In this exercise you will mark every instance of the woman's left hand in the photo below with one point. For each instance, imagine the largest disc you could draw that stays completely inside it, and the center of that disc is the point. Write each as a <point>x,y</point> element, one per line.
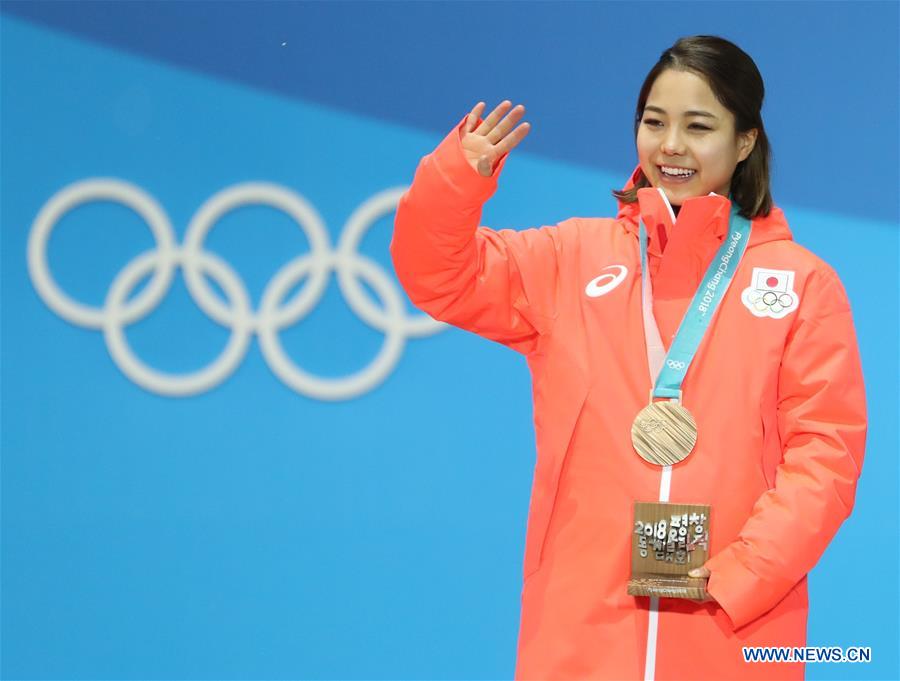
<point>704,573</point>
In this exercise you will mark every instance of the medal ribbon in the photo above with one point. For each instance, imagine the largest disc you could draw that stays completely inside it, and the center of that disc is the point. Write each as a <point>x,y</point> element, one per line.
<point>700,312</point>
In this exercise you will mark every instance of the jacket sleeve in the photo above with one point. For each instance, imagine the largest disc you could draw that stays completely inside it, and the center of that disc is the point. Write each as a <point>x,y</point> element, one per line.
<point>499,284</point>
<point>822,425</point>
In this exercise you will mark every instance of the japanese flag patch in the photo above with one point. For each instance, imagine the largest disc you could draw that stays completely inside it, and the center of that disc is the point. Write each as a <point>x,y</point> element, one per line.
<point>771,293</point>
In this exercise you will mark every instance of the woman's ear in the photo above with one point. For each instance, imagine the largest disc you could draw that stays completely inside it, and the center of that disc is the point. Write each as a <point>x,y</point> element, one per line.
<point>746,142</point>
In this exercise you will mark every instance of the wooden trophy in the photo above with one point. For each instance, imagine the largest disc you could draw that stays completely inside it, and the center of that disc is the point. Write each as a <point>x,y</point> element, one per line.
<point>668,540</point>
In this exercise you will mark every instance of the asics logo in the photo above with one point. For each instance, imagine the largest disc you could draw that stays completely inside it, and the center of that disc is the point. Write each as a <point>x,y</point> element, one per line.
<point>274,314</point>
<point>606,282</point>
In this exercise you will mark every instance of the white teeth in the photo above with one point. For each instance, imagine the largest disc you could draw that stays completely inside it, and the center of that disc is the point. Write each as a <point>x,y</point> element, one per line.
<point>676,171</point>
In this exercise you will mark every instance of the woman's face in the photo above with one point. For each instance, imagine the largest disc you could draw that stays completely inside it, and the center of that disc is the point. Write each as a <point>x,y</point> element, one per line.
<point>684,127</point>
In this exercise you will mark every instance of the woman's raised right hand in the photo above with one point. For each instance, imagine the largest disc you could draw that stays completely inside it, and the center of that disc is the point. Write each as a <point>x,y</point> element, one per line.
<point>485,144</point>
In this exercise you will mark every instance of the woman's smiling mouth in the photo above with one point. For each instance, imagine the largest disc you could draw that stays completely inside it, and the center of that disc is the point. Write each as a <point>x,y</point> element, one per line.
<point>676,175</point>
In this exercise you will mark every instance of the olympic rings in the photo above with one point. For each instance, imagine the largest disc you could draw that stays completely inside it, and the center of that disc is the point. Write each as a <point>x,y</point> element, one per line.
<point>237,315</point>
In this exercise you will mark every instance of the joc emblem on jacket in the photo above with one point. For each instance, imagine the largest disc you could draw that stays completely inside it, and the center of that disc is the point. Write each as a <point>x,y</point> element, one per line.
<point>771,293</point>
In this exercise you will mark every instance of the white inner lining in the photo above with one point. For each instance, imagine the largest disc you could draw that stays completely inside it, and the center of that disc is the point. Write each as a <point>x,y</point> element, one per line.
<point>656,355</point>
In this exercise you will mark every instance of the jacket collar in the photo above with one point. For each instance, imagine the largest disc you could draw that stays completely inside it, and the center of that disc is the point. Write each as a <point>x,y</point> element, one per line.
<point>699,214</point>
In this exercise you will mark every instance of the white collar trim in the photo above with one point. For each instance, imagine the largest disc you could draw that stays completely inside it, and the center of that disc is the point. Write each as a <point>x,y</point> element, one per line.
<point>669,205</point>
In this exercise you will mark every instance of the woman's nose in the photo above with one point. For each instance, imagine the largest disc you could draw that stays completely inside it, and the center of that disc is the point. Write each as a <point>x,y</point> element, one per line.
<point>671,144</point>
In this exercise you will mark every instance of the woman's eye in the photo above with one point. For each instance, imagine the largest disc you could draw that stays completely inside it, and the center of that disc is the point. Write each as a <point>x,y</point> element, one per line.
<point>653,123</point>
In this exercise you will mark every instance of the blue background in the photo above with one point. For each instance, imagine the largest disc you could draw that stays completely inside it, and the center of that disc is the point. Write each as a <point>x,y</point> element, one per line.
<point>251,531</point>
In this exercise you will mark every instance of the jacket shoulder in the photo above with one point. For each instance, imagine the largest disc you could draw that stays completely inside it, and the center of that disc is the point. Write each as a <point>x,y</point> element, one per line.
<point>815,279</point>
<point>572,230</point>
<point>595,226</point>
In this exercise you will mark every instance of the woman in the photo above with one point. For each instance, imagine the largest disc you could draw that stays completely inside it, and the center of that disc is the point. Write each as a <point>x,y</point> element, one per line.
<point>774,383</point>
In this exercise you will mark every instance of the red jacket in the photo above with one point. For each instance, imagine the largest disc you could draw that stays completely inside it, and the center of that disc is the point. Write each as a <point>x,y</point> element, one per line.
<point>776,391</point>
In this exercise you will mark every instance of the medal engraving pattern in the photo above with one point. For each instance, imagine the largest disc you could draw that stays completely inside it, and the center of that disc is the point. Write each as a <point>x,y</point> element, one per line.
<point>664,433</point>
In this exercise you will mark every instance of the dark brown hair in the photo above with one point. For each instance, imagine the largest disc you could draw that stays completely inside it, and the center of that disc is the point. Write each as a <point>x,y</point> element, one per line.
<point>738,86</point>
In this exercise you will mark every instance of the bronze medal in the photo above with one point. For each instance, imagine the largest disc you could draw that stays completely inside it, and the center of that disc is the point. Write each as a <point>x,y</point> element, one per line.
<point>664,433</point>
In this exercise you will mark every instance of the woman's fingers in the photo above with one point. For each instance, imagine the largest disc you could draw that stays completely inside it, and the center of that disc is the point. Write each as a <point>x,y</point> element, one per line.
<point>502,128</point>
<point>497,134</point>
<point>497,125</point>
<point>509,142</point>
<point>493,118</point>
<point>474,116</point>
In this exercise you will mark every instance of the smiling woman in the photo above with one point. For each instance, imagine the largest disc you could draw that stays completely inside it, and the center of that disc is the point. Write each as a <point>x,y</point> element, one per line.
<point>699,129</point>
<point>687,143</point>
<point>753,450</point>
